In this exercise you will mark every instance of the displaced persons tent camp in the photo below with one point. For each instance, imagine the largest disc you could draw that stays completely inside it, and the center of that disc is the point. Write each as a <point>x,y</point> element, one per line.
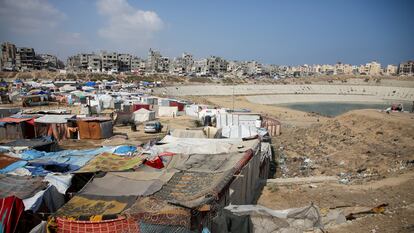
<point>143,115</point>
<point>53,125</point>
<point>95,127</point>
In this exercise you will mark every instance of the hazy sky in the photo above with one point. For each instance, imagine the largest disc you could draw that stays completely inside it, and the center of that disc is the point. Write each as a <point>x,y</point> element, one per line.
<point>275,31</point>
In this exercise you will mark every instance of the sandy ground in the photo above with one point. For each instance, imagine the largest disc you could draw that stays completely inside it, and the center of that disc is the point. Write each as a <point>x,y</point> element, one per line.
<point>370,151</point>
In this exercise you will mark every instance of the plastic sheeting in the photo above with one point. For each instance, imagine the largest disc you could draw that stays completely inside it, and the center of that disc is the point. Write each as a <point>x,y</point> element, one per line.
<point>196,145</point>
<point>143,115</point>
<point>54,119</point>
<point>166,111</point>
<point>266,220</point>
<point>127,184</point>
<point>239,131</point>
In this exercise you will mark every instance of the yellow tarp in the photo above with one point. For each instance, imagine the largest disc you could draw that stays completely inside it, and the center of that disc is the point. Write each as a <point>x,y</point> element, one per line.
<point>110,162</point>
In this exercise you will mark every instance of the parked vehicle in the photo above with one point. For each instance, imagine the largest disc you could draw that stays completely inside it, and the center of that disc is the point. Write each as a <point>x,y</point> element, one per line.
<point>152,127</point>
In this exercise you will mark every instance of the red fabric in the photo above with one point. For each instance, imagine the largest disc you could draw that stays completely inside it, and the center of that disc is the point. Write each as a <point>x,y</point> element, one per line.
<point>121,225</point>
<point>166,154</point>
<point>136,107</point>
<point>14,120</point>
<point>11,208</point>
<point>180,106</point>
<point>155,163</point>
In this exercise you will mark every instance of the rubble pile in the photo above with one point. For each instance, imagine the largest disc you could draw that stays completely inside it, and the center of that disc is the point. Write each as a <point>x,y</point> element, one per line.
<point>354,146</point>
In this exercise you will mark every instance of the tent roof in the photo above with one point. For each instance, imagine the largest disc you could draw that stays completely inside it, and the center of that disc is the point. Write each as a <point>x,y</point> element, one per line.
<point>50,119</point>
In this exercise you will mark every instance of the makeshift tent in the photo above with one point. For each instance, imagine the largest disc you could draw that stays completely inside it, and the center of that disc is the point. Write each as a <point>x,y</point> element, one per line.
<point>239,131</point>
<point>265,220</point>
<point>95,127</point>
<point>52,125</point>
<point>137,106</point>
<point>107,101</point>
<point>230,119</point>
<point>16,128</point>
<point>35,100</point>
<point>6,111</point>
<point>143,115</point>
<point>166,111</point>
<point>182,133</point>
<point>41,144</point>
<point>180,106</point>
<point>127,183</point>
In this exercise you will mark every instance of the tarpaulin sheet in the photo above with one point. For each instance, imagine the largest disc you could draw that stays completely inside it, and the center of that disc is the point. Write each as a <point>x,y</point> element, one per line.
<point>37,142</point>
<point>13,166</point>
<point>197,145</point>
<point>6,160</point>
<point>127,184</point>
<point>266,220</point>
<point>239,131</point>
<point>157,211</point>
<point>14,120</point>
<point>182,133</point>
<point>205,162</point>
<point>77,157</point>
<point>20,186</point>
<point>54,119</point>
<point>82,207</point>
<point>111,162</point>
<point>11,209</point>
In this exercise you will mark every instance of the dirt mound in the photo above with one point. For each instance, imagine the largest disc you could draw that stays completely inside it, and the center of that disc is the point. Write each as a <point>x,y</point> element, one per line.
<point>363,144</point>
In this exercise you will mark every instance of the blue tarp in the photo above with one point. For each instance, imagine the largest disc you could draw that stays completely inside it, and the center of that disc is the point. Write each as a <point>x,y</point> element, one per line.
<point>123,150</point>
<point>90,84</point>
<point>61,161</point>
<point>13,166</point>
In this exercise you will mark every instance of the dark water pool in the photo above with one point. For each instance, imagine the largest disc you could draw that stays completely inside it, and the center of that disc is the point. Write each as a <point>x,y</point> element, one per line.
<point>335,109</point>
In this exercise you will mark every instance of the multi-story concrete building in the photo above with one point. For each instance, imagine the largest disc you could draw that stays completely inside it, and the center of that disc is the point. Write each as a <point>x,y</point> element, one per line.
<point>109,61</point>
<point>137,65</point>
<point>8,56</point>
<point>153,61</point>
<point>343,69</point>
<point>371,68</point>
<point>406,68</point>
<point>391,70</point>
<point>94,63</point>
<point>48,62</point>
<point>73,63</point>
<point>124,62</point>
<point>25,59</point>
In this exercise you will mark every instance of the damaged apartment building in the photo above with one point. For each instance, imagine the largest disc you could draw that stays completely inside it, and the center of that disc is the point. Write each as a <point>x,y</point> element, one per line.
<point>25,59</point>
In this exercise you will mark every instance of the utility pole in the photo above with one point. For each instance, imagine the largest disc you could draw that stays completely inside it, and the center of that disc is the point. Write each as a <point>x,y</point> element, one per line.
<point>233,96</point>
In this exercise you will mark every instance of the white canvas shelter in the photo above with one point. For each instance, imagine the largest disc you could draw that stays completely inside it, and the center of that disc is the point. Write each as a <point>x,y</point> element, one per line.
<point>239,131</point>
<point>143,115</point>
<point>166,111</point>
<point>107,101</point>
<point>230,119</point>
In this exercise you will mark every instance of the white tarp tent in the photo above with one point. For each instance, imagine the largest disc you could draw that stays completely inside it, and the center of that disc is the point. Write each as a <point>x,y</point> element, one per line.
<point>107,101</point>
<point>67,88</point>
<point>239,131</point>
<point>166,111</point>
<point>229,119</point>
<point>143,115</point>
